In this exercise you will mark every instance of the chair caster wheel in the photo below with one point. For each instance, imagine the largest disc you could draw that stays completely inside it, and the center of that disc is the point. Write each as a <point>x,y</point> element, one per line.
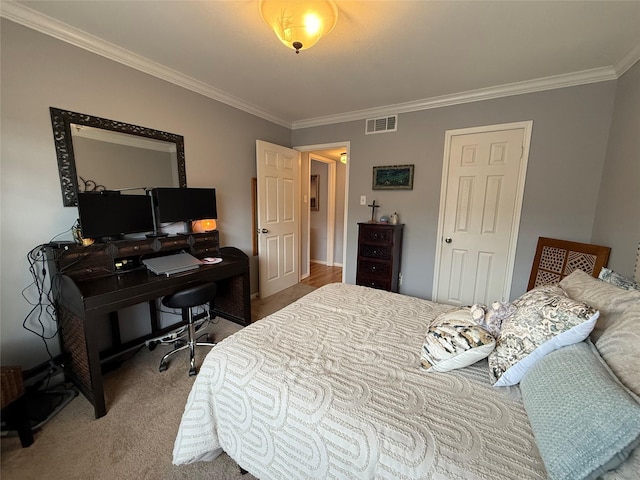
<point>192,372</point>
<point>163,367</point>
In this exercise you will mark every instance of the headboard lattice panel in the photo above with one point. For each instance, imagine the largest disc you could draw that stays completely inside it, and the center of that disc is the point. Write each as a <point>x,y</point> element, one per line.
<point>555,259</point>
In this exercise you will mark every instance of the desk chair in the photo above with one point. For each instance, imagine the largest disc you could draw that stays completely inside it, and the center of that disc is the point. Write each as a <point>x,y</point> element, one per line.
<point>186,299</point>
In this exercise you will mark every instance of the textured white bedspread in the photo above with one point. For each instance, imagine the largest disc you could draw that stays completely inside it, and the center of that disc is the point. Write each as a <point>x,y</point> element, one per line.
<point>331,387</point>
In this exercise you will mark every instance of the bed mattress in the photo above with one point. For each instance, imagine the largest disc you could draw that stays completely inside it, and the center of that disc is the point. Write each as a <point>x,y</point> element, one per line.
<point>331,387</point>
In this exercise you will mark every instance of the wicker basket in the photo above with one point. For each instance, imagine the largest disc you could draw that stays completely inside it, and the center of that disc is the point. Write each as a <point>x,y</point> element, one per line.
<point>12,385</point>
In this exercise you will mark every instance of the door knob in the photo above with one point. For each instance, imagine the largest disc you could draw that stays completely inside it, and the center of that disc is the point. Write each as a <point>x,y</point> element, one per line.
<point>264,230</point>
<point>448,240</point>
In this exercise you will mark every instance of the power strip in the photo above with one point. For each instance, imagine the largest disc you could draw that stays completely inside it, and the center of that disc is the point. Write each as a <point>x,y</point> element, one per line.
<point>173,336</point>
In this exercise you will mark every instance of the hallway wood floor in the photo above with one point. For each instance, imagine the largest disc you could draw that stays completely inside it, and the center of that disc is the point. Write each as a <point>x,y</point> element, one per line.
<point>320,275</point>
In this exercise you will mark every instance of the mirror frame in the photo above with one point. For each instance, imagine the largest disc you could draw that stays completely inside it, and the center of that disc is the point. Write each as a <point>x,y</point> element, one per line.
<point>61,121</point>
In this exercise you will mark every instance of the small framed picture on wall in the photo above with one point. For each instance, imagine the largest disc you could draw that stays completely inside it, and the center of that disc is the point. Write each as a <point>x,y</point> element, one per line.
<point>314,187</point>
<point>393,177</point>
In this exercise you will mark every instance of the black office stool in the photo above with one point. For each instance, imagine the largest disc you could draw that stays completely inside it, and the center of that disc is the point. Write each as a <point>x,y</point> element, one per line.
<point>187,299</point>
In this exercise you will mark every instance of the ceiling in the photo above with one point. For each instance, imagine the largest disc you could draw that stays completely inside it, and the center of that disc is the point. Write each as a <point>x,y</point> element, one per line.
<point>383,57</point>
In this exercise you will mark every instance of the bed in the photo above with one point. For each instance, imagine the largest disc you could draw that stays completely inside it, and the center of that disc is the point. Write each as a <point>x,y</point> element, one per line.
<point>335,386</point>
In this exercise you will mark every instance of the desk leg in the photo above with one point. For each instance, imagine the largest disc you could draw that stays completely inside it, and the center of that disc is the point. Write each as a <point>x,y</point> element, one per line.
<point>153,316</point>
<point>78,336</point>
<point>233,301</point>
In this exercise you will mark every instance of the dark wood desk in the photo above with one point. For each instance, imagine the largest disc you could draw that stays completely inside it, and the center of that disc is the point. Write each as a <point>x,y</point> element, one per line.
<point>85,296</point>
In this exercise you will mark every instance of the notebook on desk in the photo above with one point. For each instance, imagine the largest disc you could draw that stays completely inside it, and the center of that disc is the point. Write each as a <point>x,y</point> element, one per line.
<point>170,264</point>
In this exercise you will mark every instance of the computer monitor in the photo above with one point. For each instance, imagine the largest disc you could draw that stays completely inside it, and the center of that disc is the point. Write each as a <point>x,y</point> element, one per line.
<point>109,214</point>
<point>184,204</point>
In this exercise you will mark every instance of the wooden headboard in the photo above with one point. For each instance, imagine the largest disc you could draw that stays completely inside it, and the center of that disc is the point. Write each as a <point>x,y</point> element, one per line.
<point>555,259</point>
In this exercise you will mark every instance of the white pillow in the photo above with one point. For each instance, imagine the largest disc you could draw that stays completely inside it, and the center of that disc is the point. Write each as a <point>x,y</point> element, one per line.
<point>545,320</point>
<point>455,341</point>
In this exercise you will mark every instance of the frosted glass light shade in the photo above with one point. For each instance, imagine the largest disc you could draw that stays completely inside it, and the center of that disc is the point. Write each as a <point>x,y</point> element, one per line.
<point>299,24</point>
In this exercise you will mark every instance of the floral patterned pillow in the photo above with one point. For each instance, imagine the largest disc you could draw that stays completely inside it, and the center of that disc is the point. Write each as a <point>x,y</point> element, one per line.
<point>545,320</point>
<point>614,278</point>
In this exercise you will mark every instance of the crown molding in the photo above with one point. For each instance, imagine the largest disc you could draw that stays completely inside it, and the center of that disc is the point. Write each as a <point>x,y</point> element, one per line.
<point>628,61</point>
<point>44,24</point>
<point>519,88</point>
<point>30,18</point>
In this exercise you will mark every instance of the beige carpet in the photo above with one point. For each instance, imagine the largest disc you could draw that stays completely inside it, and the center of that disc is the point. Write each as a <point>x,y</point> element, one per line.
<point>135,439</point>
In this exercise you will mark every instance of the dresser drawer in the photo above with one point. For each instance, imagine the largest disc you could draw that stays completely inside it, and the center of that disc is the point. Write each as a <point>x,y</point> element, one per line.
<point>377,235</point>
<point>380,252</point>
<point>373,269</point>
<point>378,283</point>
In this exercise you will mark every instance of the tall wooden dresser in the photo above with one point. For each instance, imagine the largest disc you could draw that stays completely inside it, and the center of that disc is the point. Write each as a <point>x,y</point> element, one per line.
<point>379,255</point>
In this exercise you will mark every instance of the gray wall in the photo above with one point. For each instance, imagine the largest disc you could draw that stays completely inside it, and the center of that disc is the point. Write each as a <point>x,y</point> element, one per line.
<point>39,72</point>
<point>617,220</point>
<point>568,145</point>
<point>565,173</point>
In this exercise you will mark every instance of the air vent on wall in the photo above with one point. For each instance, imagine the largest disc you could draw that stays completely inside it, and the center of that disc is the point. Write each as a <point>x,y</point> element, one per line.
<point>381,125</point>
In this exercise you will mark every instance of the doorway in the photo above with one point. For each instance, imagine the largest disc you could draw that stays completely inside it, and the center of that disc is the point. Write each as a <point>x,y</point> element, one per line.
<point>333,184</point>
<point>483,178</point>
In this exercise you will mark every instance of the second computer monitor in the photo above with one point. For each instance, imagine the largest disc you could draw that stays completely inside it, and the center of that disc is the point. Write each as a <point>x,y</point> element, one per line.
<point>184,204</point>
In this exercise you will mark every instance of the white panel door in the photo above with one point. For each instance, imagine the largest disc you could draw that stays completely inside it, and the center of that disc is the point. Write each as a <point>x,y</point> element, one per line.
<point>482,187</point>
<point>278,219</point>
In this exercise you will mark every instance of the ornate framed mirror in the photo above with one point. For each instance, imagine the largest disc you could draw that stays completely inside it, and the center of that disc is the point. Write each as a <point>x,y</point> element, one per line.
<point>96,153</point>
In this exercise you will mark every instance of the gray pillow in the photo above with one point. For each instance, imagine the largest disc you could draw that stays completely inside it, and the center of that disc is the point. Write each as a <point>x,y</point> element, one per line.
<point>585,422</point>
<point>619,346</point>
<point>609,300</point>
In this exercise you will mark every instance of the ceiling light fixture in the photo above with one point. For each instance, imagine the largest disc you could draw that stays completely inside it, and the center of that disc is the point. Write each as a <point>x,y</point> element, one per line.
<point>343,157</point>
<point>299,24</point>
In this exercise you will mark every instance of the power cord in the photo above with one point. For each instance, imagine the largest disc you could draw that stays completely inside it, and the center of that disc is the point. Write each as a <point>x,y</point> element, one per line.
<point>43,305</point>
